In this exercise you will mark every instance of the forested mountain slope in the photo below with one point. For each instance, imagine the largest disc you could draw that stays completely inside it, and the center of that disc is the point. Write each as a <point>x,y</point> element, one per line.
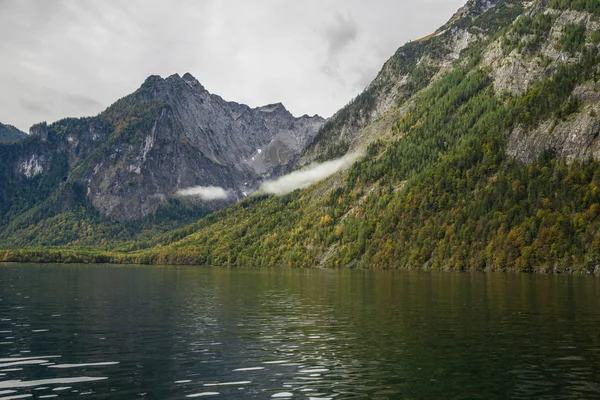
<point>481,154</point>
<point>413,67</point>
<point>9,134</point>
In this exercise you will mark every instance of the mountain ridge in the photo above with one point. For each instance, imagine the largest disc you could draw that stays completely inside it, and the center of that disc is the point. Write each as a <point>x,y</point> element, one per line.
<point>10,134</point>
<point>410,69</point>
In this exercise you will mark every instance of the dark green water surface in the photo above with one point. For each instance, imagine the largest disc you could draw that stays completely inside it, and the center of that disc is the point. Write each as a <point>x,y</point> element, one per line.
<point>104,332</point>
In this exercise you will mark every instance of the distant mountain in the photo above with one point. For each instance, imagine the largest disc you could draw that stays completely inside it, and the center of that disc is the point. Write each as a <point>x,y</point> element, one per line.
<point>9,134</point>
<point>169,135</point>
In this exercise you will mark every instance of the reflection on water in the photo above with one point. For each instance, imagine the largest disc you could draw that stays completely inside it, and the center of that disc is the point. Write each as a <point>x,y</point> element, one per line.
<point>173,333</point>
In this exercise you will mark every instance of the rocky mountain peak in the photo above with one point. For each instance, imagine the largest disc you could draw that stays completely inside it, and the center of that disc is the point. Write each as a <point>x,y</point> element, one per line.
<point>39,130</point>
<point>152,81</point>
<point>276,108</point>
<point>192,81</point>
<point>169,135</point>
<point>156,87</point>
<point>271,107</point>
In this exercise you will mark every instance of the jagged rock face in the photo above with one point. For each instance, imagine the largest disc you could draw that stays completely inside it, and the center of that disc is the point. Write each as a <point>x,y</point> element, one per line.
<point>254,141</point>
<point>515,72</point>
<point>135,178</point>
<point>288,143</point>
<point>574,137</point>
<point>9,134</point>
<point>169,135</point>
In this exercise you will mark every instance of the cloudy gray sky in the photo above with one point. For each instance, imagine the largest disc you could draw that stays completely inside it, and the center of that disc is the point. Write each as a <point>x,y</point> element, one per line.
<point>63,58</point>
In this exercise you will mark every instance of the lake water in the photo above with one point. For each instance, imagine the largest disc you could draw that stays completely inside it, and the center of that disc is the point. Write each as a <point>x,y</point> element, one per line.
<point>103,332</point>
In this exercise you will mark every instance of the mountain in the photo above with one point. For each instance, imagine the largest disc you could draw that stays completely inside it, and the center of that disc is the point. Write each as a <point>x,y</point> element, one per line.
<point>135,156</point>
<point>480,147</point>
<point>9,134</point>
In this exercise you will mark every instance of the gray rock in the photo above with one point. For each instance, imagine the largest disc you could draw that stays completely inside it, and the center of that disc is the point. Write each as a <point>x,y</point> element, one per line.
<point>576,137</point>
<point>130,161</point>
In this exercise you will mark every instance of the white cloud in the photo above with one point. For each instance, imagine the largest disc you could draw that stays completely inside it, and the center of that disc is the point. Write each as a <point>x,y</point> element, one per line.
<point>206,193</point>
<point>309,175</point>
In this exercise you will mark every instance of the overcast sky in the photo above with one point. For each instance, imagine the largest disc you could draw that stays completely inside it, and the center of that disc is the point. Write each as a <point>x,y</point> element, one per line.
<point>71,58</point>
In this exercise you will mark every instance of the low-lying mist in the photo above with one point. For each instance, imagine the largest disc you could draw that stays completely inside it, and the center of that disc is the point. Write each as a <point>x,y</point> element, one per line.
<point>309,175</point>
<point>280,186</point>
<point>206,193</point>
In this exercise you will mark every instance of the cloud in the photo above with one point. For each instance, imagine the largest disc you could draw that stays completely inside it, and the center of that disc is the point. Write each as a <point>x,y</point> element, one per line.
<point>309,175</point>
<point>206,193</point>
<point>81,100</point>
<point>338,37</point>
<point>340,34</point>
<point>35,106</point>
<point>47,103</point>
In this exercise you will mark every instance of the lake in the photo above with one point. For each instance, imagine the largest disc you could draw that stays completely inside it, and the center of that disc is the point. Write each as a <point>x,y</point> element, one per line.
<point>120,332</point>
